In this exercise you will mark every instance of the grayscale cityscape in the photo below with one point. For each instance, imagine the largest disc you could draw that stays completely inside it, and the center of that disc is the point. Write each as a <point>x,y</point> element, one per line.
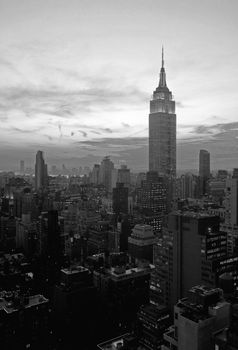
<point>118,175</point>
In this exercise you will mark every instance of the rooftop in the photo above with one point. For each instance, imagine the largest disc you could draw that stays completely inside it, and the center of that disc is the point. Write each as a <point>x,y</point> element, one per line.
<point>10,302</point>
<point>114,343</point>
<point>122,273</point>
<point>193,214</point>
<point>74,270</point>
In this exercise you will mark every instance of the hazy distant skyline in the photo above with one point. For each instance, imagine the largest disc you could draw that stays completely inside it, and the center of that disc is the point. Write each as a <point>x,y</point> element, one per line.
<point>77,76</point>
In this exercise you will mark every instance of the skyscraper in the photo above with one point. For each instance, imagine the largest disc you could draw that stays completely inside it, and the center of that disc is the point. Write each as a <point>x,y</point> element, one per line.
<point>105,174</point>
<point>22,167</point>
<point>204,163</point>
<point>162,129</point>
<point>120,199</point>
<point>181,255</point>
<point>40,171</point>
<point>152,200</point>
<point>204,170</point>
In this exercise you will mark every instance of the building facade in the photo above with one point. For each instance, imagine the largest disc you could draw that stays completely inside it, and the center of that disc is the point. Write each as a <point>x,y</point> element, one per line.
<point>162,129</point>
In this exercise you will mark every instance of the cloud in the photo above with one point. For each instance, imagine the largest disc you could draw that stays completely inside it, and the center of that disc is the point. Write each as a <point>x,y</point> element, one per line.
<point>25,131</point>
<point>83,133</point>
<point>95,132</point>
<point>108,130</point>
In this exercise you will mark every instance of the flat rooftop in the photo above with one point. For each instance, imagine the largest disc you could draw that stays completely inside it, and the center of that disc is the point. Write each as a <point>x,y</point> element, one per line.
<point>9,307</point>
<point>114,343</point>
<point>128,273</point>
<point>193,214</point>
<point>74,270</point>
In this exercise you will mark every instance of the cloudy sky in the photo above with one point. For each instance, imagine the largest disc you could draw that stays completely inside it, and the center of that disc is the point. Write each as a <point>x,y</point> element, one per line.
<point>76,76</point>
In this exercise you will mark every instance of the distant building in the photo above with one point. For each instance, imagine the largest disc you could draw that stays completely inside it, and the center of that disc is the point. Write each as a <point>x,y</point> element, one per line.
<point>95,174</point>
<point>188,186</point>
<point>124,176</point>
<point>41,174</point>
<point>120,199</point>
<point>22,167</point>
<point>204,170</point>
<point>105,174</point>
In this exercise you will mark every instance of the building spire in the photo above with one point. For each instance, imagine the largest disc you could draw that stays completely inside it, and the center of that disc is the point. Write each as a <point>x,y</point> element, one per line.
<point>162,56</point>
<point>162,80</point>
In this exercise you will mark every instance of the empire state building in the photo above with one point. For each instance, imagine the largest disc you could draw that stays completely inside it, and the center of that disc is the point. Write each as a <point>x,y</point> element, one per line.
<point>162,129</point>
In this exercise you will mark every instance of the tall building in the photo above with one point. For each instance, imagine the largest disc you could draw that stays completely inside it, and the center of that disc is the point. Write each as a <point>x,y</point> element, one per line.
<point>231,213</point>
<point>22,167</point>
<point>204,163</point>
<point>204,170</point>
<point>105,174</point>
<point>162,129</point>
<point>123,175</point>
<point>187,186</point>
<point>120,199</point>
<point>95,174</point>
<point>197,319</point>
<point>41,174</point>
<point>152,200</point>
<point>181,255</point>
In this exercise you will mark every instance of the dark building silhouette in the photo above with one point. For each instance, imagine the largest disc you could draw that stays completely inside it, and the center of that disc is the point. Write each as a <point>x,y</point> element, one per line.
<point>41,174</point>
<point>120,199</point>
<point>24,320</point>
<point>204,170</point>
<point>123,175</point>
<point>152,323</point>
<point>75,304</point>
<point>125,289</point>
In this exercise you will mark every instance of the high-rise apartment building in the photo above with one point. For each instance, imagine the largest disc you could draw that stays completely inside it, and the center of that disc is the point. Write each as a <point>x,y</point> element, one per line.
<point>162,129</point>
<point>41,173</point>
<point>179,257</point>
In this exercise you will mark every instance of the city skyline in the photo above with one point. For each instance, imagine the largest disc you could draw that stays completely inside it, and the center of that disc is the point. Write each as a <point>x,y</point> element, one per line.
<point>118,175</point>
<point>77,79</point>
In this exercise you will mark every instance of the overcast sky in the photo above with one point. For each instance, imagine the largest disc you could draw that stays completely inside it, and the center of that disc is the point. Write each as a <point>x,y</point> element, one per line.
<point>73,72</point>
